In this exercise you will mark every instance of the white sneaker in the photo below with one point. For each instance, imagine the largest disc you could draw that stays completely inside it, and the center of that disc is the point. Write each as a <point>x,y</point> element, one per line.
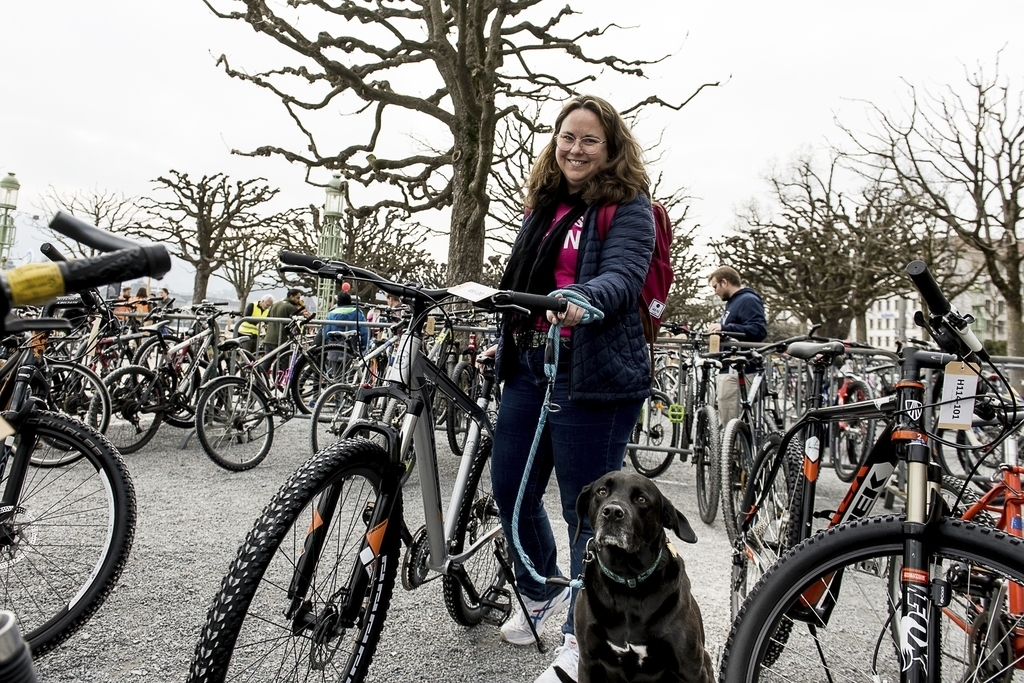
<point>517,631</point>
<point>567,659</point>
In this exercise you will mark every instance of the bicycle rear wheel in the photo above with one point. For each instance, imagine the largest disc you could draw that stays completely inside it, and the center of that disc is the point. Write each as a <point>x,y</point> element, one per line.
<point>457,421</point>
<point>255,631</point>
<point>137,401</point>
<point>654,428</point>
<point>850,567</point>
<point>707,461</point>
<point>479,523</point>
<point>853,438</point>
<point>65,543</point>
<point>234,423</point>
<point>317,369</point>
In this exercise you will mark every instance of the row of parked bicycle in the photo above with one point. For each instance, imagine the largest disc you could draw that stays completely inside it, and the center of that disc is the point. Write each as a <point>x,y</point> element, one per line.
<point>933,592</point>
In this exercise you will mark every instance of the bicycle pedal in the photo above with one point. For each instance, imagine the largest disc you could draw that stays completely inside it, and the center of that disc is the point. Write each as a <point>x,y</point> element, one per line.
<point>676,413</point>
<point>499,606</point>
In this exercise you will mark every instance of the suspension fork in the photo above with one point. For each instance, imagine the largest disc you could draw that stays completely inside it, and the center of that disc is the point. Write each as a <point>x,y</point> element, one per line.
<point>22,404</point>
<point>347,601</point>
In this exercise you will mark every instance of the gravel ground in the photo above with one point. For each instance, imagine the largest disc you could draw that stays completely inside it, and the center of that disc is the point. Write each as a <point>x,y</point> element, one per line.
<point>192,517</point>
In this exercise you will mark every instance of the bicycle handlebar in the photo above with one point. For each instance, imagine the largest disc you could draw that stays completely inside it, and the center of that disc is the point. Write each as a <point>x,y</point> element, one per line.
<point>325,268</point>
<point>37,283</point>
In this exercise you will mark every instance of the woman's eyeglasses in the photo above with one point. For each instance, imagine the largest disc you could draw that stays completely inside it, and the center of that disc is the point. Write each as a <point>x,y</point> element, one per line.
<point>566,141</point>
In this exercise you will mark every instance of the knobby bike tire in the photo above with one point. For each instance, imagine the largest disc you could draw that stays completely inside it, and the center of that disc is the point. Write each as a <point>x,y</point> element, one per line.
<point>852,563</point>
<point>77,392</point>
<point>853,439</point>
<point>707,461</point>
<point>234,423</point>
<point>457,421</point>
<point>654,428</point>
<point>315,370</point>
<point>138,398</point>
<point>737,464</point>
<point>478,518</point>
<point>330,415</point>
<point>772,483</point>
<point>67,541</point>
<point>247,637</point>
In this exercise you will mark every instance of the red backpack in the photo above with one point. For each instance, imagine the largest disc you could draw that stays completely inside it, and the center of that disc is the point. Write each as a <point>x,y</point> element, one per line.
<point>654,294</point>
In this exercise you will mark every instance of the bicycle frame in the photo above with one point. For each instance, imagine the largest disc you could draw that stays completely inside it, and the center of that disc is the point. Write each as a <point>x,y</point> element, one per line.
<point>407,380</point>
<point>1009,521</point>
<point>904,439</point>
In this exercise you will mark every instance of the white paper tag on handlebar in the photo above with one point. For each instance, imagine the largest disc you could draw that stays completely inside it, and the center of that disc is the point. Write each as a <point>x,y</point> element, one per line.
<point>472,291</point>
<point>714,343</point>
<point>959,385</point>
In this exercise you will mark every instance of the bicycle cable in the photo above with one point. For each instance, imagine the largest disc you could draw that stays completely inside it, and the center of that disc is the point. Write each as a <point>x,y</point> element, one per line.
<point>590,315</point>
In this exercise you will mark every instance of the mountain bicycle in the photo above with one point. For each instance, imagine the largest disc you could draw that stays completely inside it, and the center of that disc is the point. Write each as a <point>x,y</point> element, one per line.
<point>235,413</point>
<point>829,609</point>
<point>66,531</point>
<point>759,421</point>
<point>307,595</point>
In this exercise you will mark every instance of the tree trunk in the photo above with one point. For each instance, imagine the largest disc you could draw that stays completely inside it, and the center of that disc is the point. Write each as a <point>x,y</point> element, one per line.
<point>200,284</point>
<point>469,211</point>
<point>862,327</point>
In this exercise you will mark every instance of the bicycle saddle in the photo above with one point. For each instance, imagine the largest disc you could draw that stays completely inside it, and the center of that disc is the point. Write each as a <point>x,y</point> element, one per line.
<point>808,350</point>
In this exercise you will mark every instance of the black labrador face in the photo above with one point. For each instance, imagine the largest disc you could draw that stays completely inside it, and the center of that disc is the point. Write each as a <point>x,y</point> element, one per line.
<point>627,510</point>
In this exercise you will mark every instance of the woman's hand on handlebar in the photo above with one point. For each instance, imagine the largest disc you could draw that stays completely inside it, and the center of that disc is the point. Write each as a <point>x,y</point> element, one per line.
<point>570,318</point>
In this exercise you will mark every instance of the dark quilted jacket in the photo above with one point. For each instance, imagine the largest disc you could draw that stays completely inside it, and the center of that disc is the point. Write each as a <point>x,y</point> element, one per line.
<point>610,358</point>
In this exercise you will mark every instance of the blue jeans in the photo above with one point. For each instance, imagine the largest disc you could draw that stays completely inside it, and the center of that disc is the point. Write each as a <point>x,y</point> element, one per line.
<point>580,442</point>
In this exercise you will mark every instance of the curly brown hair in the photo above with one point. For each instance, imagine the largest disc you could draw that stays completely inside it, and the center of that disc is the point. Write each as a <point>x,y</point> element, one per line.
<point>619,182</point>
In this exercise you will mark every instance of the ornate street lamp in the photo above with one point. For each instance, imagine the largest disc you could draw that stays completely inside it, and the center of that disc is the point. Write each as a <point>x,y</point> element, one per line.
<point>330,241</point>
<point>9,187</point>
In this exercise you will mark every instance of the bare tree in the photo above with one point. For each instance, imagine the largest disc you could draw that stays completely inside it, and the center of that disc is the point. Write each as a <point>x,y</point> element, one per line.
<point>384,242</point>
<point>959,159</point>
<point>106,209</point>
<point>210,223</point>
<point>826,257</point>
<point>453,72</point>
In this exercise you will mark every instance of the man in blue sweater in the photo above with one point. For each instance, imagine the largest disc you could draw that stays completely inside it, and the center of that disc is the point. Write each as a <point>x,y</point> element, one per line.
<point>744,316</point>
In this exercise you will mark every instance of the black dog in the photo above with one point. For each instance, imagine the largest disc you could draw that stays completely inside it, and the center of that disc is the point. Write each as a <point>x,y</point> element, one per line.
<point>635,618</point>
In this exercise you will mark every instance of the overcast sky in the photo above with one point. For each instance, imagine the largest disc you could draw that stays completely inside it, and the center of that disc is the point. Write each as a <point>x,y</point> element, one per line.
<point>109,94</point>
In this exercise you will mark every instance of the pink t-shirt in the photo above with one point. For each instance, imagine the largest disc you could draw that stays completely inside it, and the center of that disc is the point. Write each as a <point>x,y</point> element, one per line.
<point>565,264</point>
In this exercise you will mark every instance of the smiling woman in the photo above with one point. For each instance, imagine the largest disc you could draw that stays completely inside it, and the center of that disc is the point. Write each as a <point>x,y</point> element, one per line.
<point>602,372</point>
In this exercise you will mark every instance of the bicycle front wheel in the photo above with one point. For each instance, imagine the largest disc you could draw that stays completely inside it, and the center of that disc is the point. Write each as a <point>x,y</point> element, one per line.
<point>737,464</point>
<point>654,429</point>
<point>330,415</point>
<point>847,569</point>
<point>315,370</point>
<point>285,612</point>
<point>234,423</point>
<point>66,540</point>
<point>479,526</point>
<point>707,461</point>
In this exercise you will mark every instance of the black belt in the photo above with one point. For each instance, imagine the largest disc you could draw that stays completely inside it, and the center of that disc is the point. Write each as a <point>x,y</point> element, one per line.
<point>534,339</point>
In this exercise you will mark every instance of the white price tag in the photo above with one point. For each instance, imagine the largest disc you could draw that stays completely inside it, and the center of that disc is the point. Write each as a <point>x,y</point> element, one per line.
<point>472,291</point>
<point>959,385</point>
<point>714,343</point>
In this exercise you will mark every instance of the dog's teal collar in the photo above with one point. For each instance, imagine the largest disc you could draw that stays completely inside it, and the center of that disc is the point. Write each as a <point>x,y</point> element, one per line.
<point>634,581</point>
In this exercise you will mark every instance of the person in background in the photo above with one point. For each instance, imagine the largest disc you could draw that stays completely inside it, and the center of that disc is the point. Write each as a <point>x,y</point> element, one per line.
<point>250,330</point>
<point>275,336</point>
<point>744,316</point>
<point>121,310</point>
<point>141,305</point>
<point>344,310</point>
<point>603,372</point>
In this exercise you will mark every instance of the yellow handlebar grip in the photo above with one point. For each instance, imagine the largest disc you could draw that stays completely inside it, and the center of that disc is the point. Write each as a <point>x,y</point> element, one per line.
<point>34,283</point>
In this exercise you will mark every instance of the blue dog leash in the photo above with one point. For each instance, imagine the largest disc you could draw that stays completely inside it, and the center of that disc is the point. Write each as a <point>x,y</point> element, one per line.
<point>590,314</point>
